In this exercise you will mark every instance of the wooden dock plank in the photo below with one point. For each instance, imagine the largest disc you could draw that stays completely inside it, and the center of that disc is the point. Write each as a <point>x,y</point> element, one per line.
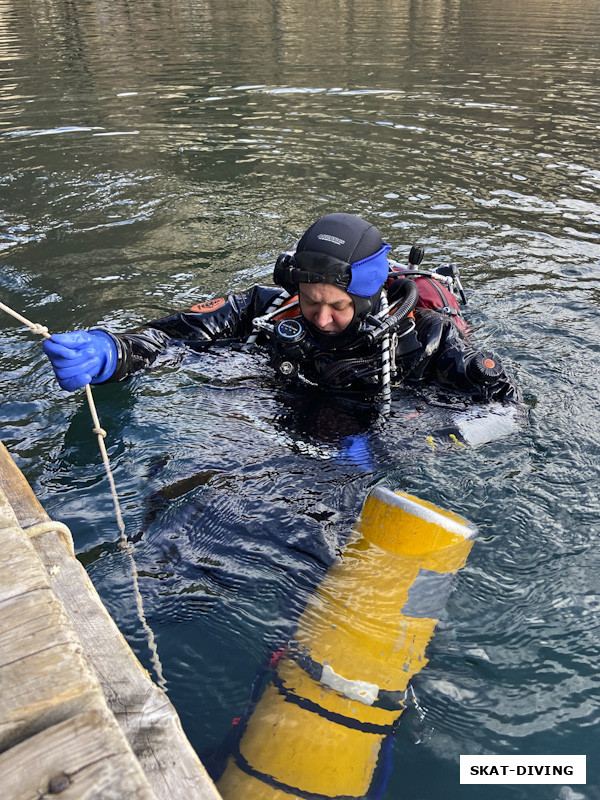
<point>144,712</point>
<point>27,508</point>
<point>84,758</point>
<point>44,677</point>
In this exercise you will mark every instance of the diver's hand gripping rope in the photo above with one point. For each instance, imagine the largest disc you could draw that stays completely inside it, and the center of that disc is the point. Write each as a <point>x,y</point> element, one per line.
<point>123,541</point>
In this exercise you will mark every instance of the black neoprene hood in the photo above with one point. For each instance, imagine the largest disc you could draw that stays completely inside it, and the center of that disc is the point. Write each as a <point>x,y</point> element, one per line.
<point>345,251</point>
<point>343,237</point>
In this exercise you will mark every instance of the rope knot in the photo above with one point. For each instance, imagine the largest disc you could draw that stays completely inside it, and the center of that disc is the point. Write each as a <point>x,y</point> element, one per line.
<point>41,329</point>
<point>99,432</point>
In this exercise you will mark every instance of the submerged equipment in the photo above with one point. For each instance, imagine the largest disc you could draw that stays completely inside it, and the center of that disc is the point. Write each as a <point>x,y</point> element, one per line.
<point>338,690</point>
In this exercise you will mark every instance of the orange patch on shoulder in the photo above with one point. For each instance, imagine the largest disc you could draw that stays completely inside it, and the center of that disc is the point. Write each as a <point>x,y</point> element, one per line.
<point>208,305</point>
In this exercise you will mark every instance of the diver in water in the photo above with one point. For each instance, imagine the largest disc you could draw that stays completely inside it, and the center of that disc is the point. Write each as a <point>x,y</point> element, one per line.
<point>340,318</point>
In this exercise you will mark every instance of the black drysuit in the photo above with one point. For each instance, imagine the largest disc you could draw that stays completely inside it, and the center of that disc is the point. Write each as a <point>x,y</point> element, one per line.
<point>433,351</point>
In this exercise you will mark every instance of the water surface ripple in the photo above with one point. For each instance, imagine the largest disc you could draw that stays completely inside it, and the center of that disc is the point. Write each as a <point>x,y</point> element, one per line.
<point>158,153</point>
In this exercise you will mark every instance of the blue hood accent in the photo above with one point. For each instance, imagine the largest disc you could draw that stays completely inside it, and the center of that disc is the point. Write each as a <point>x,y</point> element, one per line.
<point>369,274</point>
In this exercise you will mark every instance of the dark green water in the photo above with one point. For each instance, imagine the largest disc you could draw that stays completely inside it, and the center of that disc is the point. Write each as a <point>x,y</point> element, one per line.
<point>154,154</point>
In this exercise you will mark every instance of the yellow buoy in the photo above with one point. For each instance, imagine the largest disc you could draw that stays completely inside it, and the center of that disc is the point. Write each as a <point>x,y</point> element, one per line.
<point>339,688</point>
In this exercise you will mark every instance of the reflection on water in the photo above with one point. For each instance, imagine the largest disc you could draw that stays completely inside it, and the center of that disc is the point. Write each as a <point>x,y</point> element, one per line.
<point>157,153</point>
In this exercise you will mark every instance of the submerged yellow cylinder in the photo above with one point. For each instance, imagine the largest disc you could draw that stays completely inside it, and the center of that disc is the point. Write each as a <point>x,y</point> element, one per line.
<point>339,688</point>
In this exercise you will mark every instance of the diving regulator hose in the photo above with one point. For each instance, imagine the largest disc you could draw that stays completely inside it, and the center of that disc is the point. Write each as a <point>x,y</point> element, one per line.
<point>292,343</point>
<point>385,328</point>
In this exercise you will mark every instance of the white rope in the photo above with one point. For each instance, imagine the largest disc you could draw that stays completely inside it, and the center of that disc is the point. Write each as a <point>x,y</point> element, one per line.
<point>52,526</point>
<point>124,543</point>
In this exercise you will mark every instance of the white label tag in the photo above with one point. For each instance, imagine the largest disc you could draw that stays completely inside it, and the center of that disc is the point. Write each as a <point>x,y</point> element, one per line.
<point>354,690</point>
<point>565,770</point>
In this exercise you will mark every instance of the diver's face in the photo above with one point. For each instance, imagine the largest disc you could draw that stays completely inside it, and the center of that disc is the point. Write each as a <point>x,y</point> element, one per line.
<point>328,308</point>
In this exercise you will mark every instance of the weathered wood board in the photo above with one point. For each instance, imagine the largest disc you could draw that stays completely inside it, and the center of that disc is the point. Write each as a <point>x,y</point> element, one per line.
<point>44,677</point>
<point>70,622</point>
<point>84,758</point>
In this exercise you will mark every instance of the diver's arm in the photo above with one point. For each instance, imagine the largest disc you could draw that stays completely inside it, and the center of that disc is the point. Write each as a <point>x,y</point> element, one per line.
<point>449,359</point>
<point>99,356</point>
<point>218,320</point>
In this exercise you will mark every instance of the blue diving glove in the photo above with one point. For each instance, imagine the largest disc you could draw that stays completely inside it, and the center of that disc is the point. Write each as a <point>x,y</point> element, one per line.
<point>355,451</point>
<point>81,357</point>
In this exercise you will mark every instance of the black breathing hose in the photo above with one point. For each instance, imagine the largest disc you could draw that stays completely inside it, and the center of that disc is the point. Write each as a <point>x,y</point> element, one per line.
<point>409,289</point>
